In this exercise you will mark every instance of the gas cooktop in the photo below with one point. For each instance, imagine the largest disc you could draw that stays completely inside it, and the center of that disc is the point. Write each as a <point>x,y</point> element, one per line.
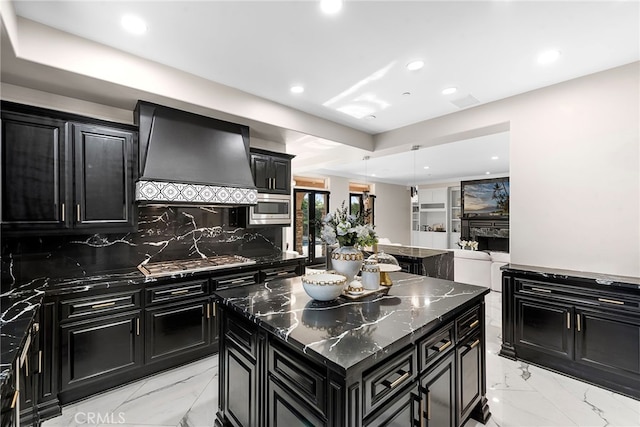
<point>168,268</point>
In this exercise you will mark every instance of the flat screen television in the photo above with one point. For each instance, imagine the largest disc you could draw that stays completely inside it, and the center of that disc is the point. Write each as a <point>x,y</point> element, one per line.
<point>485,198</point>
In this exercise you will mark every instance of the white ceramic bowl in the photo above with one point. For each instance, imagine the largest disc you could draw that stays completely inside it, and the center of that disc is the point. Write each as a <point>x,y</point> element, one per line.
<point>324,286</point>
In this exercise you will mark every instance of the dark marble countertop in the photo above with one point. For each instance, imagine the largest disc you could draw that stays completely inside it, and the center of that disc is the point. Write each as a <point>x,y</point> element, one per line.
<point>18,304</point>
<point>345,333</point>
<point>411,251</point>
<point>624,282</point>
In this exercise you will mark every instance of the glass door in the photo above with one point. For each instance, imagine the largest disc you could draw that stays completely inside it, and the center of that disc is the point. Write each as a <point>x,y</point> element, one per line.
<point>310,207</point>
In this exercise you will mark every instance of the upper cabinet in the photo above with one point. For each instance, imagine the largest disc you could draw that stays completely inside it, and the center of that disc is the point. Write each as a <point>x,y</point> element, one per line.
<point>271,171</point>
<point>66,173</point>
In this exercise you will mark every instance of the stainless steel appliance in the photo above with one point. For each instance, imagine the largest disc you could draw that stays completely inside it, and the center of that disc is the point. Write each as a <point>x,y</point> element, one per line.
<point>271,209</point>
<point>169,268</point>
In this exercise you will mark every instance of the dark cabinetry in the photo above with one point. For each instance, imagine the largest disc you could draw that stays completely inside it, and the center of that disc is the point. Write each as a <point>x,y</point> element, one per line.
<point>98,351</point>
<point>65,172</point>
<point>574,326</point>
<point>271,171</point>
<point>439,382</point>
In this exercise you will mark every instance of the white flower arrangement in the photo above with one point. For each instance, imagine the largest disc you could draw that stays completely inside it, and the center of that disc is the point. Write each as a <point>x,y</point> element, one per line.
<point>347,230</point>
<point>468,244</point>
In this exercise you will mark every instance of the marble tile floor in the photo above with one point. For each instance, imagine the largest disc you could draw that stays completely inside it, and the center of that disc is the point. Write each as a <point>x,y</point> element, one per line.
<point>519,395</point>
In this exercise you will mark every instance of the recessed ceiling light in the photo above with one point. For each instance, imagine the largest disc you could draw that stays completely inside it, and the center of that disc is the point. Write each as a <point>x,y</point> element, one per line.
<point>406,93</point>
<point>330,6</point>
<point>494,158</point>
<point>426,167</point>
<point>133,24</point>
<point>449,90</point>
<point>487,173</point>
<point>297,89</point>
<point>415,65</point>
<point>548,56</point>
<point>370,117</point>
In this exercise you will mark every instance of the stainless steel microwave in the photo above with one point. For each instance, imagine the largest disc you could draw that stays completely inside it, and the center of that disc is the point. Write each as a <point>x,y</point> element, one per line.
<point>271,209</point>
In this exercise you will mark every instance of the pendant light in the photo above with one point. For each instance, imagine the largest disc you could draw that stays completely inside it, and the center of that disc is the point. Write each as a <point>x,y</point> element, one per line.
<point>414,188</point>
<point>365,193</point>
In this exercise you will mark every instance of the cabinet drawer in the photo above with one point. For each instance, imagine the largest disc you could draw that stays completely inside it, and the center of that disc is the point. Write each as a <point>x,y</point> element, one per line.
<point>385,380</point>
<point>177,291</point>
<point>468,322</point>
<point>226,282</point>
<point>242,333</point>
<point>302,378</point>
<point>269,274</point>
<point>86,307</point>
<point>436,345</point>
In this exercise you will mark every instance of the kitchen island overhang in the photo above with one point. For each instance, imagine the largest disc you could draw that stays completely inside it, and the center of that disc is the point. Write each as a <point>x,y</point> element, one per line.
<point>284,356</point>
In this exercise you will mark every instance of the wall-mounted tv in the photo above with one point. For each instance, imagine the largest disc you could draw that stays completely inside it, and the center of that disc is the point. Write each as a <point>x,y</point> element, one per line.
<point>485,198</point>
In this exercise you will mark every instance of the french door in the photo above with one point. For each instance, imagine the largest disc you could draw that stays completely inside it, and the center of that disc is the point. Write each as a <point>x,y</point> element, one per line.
<point>310,207</point>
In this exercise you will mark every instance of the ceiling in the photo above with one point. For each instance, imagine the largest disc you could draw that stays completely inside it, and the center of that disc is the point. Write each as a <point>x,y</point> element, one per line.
<point>353,64</point>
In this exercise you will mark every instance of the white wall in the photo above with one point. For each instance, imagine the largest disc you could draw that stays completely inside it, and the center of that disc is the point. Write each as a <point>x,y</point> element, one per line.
<point>393,212</point>
<point>574,169</point>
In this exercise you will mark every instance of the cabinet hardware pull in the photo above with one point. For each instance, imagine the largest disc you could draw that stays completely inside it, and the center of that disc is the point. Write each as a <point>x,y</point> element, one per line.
<point>106,304</point>
<point>40,361</point>
<point>443,346</point>
<point>137,326</point>
<point>15,399</point>
<point>36,327</point>
<point>282,273</point>
<point>214,309</point>
<point>578,321</point>
<point>399,380</point>
<point>208,311</point>
<point>62,206</point>
<point>429,405</point>
<point>541,290</point>
<point>78,212</point>
<point>474,323</point>
<point>475,343</point>
<point>181,291</point>
<point>612,301</point>
<point>568,320</point>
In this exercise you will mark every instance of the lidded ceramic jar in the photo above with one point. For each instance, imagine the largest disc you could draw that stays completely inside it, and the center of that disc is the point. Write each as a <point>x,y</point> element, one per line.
<point>370,274</point>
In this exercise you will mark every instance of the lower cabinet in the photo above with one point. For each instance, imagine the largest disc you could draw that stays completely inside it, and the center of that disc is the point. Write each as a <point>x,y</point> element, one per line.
<point>404,410</point>
<point>286,409</point>
<point>469,366</point>
<point>172,329</point>
<point>240,384</point>
<point>573,325</point>
<point>94,350</point>
<point>439,387</point>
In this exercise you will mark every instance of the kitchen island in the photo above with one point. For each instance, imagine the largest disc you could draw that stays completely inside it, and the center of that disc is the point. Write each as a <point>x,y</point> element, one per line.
<point>413,354</point>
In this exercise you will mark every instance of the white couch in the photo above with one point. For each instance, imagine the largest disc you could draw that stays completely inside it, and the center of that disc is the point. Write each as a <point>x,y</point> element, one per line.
<point>479,268</point>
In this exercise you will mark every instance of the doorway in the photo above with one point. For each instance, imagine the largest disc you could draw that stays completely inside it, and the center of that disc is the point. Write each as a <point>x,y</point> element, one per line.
<point>310,207</point>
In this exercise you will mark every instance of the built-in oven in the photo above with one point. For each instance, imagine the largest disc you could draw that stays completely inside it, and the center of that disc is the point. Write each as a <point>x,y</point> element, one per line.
<point>271,209</point>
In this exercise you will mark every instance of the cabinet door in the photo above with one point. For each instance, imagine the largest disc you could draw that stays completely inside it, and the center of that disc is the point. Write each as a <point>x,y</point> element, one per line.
<point>438,386</point>
<point>103,177</point>
<point>33,172</point>
<point>281,174</point>
<point>469,373</point>
<point>94,350</point>
<point>545,326</point>
<point>608,341</point>
<point>439,240</point>
<point>286,410</point>
<point>240,387</point>
<point>404,411</point>
<point>176,329</point>
<point>260,170</point>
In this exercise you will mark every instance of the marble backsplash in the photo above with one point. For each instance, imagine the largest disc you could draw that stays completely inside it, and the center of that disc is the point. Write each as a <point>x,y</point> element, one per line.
<point>164,233</point>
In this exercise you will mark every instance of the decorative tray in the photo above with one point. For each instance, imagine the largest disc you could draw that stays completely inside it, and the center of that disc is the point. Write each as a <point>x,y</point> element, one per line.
<point>365,293</point>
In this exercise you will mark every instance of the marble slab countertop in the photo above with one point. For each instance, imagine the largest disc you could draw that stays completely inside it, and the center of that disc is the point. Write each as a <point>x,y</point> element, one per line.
<point>625,282</point>
<point>411,251</point>
<point>344,333</point>
<point>19,302</point>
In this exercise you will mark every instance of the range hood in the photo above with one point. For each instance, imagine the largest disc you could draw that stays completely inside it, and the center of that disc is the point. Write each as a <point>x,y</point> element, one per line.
<point>188,159</point>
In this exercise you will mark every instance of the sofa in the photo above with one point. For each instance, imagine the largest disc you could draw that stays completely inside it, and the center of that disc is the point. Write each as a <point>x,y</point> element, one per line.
<point>479,267</point>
